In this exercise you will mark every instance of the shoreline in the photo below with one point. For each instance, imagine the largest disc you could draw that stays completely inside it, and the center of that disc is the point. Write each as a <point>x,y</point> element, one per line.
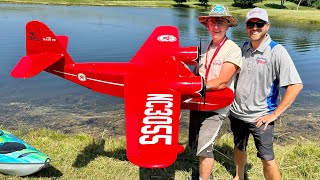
<point>290,14</point>
<point>75,114</point>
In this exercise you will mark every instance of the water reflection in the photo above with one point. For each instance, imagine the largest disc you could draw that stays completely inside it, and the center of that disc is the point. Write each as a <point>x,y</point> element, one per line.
<point>116,33</point>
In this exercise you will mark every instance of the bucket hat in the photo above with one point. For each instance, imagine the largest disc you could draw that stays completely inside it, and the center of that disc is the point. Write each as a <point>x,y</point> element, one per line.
<point>219,10</point>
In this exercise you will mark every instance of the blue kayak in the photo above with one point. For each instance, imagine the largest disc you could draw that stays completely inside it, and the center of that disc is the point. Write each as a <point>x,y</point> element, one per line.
<point>19,158</point>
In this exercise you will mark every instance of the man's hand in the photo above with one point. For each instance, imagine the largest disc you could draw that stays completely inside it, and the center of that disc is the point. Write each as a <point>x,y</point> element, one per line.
<point>288,98</point>
<point>265,120</point>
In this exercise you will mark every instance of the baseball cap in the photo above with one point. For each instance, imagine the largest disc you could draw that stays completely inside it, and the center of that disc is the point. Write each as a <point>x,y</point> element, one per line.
<point>257,13</point>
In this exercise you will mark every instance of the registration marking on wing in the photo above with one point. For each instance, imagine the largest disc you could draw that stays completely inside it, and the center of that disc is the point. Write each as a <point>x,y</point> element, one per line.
<point>157,118</point>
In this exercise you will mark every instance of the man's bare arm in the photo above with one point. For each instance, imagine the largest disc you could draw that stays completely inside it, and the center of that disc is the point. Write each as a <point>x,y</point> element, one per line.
<point>228,69</point>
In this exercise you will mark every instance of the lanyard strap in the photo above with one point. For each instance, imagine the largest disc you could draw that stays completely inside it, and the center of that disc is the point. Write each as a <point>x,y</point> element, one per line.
<point>214,55</point>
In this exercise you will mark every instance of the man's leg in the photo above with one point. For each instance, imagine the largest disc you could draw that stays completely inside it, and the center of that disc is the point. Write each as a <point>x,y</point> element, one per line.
<point>271,170</point>
<point>263,140</point>
<point>196,118</point>
<point>240,159</point>
<point>208,132</point>
<point>205,167</point>
<point>240,139</point>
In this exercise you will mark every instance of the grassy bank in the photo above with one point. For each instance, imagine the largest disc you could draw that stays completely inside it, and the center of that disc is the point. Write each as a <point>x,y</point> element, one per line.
<point>291,14</point>
<point>92,145</point>
<point>80,156</point>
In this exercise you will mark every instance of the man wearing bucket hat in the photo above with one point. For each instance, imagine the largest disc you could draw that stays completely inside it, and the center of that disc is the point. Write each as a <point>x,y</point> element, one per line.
<point>267,66</point>
<point>218,65</point>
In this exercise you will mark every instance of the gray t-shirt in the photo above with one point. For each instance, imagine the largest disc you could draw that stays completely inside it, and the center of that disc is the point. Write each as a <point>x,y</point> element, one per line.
<point>263,71</point>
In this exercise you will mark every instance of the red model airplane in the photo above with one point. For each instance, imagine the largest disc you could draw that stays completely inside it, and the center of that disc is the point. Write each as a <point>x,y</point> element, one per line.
<point>155,85</point>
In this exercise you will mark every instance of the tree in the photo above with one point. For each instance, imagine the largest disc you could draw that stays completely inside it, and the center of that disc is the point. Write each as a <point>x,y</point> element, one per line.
<point>203,2</point>
<point>308,3</point>
<point>299,4</point>
<point>282,4</point>
<point>180,1</point>
<point>245,3</point>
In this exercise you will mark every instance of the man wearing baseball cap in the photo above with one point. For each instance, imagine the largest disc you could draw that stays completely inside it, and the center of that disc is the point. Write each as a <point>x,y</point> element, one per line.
<point>267,66</point>
<point>219,62</point>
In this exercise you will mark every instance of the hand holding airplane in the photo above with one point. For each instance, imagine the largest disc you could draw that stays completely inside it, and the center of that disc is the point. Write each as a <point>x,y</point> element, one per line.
<point>155,85</point>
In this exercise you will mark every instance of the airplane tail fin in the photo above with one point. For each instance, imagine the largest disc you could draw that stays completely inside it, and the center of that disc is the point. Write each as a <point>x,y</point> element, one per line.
<point>43,49</point>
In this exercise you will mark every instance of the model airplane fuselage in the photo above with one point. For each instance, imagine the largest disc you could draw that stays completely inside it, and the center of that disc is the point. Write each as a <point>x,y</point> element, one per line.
<point>155,85</point>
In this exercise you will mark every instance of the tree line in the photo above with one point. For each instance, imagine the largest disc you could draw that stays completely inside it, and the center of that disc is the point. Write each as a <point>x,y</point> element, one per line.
<point>249,3</point>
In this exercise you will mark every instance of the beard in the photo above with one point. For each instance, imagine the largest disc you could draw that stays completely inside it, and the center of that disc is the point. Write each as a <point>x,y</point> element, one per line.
<point>258,36</point>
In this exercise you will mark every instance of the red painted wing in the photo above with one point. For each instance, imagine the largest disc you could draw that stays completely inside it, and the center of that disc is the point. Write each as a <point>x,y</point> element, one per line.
<point>162,39</point>
<point>152,97</point>
<point>152,124</point>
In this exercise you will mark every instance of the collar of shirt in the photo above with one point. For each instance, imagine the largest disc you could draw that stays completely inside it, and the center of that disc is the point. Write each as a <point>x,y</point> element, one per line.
<point>262,46</point>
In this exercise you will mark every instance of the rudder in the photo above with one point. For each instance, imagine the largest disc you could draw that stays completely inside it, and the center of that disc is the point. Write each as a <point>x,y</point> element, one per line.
<point>40,39</point>
<point>43,49</point>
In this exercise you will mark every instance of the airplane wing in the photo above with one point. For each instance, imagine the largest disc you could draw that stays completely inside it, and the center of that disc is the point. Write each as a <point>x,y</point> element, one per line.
<point>152,107</point>
<point>161,39</point>
<point>154,86</point>
<point>152,124</point>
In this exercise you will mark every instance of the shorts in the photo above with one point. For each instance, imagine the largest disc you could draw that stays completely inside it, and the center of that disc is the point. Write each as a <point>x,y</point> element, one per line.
<point>203,129</point>
<point>263,139</point>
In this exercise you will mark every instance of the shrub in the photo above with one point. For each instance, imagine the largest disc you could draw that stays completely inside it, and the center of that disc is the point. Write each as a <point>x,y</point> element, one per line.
<point>244,3</point>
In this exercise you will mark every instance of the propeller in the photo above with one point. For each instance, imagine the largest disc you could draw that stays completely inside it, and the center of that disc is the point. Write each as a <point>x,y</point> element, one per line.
<point>204,84</point>
<point>199,52</point>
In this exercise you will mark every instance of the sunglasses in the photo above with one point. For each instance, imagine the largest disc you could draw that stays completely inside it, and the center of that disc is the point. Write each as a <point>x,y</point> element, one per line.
<point>259,24</point>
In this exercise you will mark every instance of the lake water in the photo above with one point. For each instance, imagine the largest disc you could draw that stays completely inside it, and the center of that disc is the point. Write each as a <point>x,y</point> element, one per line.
<point>116,33</point>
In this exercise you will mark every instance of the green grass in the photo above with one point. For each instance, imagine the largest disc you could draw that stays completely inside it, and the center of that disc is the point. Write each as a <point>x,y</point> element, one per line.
<point>290,14</point>
<point>80,156</point>
<point>304,14</point>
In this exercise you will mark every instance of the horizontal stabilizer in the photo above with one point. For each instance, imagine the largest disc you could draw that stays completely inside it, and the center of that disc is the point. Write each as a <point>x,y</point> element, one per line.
<point>32,65</point>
